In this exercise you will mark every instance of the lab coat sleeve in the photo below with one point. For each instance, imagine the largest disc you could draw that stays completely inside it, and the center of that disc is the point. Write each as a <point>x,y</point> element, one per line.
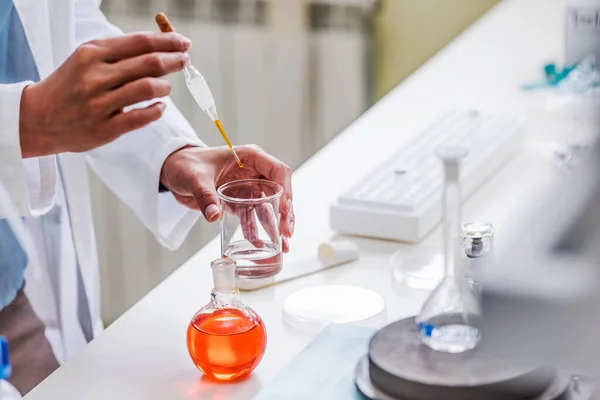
<point>30,183</point>
<point>131,165</point>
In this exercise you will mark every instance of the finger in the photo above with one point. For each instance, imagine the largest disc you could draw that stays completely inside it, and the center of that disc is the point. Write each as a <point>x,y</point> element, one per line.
<point>249,226</point>
<point>206,197</point>
<point>285,245</point>
<point>274,170</point>
<point>286,223</point>
<point>188,201</point>
<point>268,219</point>
<point>245,213</point>
<point>148,65</point>
<point>136,92</point>
<point>136,44</point>
<point>135,119</point>
<point>266,216</point>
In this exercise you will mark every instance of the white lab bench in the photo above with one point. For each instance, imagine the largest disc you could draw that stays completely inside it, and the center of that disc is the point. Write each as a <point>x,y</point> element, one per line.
<point>143,354</point>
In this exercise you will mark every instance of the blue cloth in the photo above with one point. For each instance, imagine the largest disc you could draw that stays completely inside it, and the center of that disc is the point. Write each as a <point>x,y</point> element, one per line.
<point>324,370</point>
<point>16,61</point>
<point>13,261</point>
<point>16,65</point>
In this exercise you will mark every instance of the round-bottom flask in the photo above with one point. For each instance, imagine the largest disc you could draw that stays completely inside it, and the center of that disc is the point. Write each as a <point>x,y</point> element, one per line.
<point>226,339</point>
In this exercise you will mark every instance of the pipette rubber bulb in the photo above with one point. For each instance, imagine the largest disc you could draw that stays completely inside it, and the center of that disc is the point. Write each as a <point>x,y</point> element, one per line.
<point>163,23</point>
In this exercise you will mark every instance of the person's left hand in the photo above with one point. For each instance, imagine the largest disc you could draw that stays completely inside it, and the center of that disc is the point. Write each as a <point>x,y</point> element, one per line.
<point>193,175</point>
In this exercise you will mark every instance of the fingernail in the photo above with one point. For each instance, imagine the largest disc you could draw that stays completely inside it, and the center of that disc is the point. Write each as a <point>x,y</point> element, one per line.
<point>187,43</point>
<point>186,57</point>
<point>291,224</point>
<point>162,105</point>
<point>289,206</point>
<point>211,212</point>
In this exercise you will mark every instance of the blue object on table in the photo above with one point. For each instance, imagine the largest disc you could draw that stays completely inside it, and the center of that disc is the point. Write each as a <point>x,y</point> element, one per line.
<point>553,77</point>
<point>5,368</point>
<point>324,370</point>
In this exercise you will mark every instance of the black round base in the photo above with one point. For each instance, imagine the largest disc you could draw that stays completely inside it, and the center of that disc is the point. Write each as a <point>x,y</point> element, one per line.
<point>558,390</point>
<point>400,367</point>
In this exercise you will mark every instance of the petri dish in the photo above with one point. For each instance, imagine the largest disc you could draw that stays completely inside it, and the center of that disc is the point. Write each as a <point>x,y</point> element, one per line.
<point>315,307</point>
<point>420,267</point>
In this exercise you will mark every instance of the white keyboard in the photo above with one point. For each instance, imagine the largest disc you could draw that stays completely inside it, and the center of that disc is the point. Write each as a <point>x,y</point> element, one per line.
<point>401,199</point>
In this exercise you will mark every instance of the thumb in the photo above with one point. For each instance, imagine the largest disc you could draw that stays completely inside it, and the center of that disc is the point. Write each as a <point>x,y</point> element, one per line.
<point>208,200</point>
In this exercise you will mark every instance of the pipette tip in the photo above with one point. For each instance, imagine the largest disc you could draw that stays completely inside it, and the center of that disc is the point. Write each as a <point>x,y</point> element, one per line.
<point>239,162</point>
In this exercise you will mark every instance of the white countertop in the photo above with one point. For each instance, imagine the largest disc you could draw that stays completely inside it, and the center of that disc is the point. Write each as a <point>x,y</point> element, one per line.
<point>143,354</point>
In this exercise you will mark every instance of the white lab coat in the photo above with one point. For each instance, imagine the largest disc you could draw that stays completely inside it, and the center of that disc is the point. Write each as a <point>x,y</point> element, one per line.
<point>130,166</point>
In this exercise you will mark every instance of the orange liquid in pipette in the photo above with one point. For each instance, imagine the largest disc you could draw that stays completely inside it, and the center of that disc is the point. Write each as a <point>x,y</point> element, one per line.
<point>226,344</point>
<point>222,131</point>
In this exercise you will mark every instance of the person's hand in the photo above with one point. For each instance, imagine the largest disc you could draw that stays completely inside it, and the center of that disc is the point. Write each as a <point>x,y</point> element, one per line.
<point>193,175</point>
<point>80,106</point>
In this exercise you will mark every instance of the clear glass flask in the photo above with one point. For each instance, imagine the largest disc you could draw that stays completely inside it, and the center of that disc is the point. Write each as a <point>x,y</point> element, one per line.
<point>448,319</point>
<point>250,227</point>
<point>226,339</point>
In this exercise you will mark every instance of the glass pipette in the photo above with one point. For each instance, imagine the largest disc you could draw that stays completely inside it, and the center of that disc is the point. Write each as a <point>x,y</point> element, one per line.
<point>199,89</point>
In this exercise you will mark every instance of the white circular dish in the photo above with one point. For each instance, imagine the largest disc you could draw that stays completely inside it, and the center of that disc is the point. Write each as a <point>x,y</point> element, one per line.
<point>317,306</point>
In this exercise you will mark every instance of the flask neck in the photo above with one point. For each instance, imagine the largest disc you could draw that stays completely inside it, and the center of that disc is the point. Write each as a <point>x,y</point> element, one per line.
<point>223,270</point>
<point>224,297</point>
<point>452,216</point>
<point>451,158</point>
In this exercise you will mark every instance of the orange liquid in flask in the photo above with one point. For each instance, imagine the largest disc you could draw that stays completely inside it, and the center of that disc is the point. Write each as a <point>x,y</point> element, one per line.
<point>226,344</point>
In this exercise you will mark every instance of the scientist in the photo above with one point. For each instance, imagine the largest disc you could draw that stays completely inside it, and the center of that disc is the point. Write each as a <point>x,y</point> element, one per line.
<point>76,91</point>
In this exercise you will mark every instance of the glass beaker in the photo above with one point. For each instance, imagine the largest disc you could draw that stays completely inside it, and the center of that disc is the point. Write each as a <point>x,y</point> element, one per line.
<point>250,227</point>
<point>226,339</point>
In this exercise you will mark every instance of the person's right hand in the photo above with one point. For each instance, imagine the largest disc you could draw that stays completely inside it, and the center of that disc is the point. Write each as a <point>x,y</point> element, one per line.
<point>80,105</point>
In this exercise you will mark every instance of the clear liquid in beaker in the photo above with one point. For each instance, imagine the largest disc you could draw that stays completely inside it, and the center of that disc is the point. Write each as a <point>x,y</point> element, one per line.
<point>254,262</point>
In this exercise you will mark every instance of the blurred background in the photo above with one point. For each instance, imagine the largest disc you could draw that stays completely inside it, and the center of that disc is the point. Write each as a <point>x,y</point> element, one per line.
<point>288,75</point>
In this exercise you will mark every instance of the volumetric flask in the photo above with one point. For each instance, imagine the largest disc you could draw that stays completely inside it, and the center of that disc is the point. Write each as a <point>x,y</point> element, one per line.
<point>250,227</point>
<point>448,319</point>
